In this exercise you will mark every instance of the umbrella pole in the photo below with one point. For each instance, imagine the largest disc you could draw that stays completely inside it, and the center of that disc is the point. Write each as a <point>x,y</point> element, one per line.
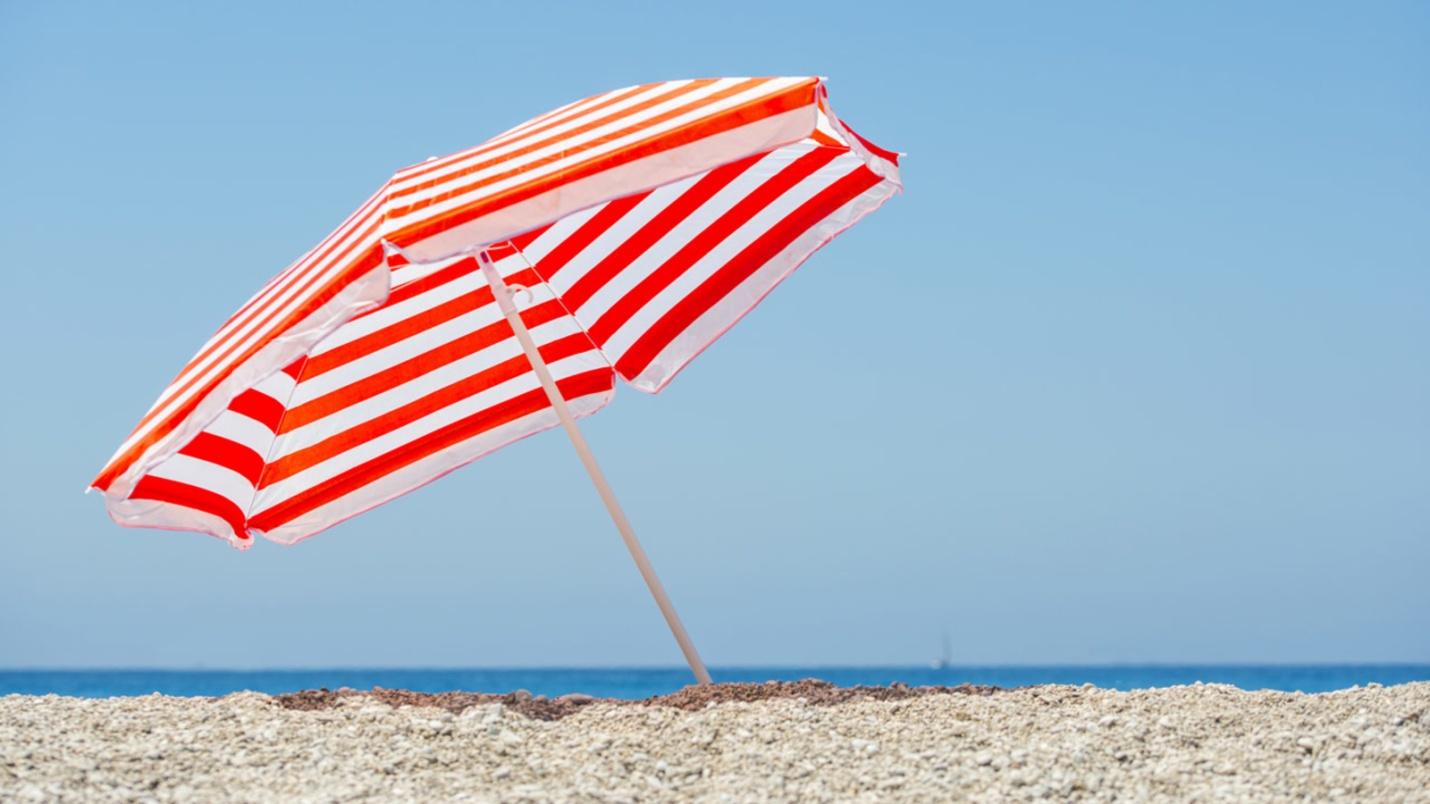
<point>568,422</point>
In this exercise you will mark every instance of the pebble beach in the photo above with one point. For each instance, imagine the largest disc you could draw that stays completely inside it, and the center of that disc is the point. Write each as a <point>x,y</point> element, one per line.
<point>804,741</point>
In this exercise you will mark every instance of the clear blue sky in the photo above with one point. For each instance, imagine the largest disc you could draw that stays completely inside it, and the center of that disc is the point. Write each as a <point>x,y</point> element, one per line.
<point>1144,375</point>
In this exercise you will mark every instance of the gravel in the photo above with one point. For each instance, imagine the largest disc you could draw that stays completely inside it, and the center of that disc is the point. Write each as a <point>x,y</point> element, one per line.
<point>749,743</point>
<point>811,691</point>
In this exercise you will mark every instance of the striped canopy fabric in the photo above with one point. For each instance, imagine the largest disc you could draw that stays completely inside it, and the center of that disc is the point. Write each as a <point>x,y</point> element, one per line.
<point>642,223</point>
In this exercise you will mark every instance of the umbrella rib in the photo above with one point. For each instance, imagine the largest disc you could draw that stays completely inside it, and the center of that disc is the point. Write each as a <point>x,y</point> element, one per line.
<point>268,455</point>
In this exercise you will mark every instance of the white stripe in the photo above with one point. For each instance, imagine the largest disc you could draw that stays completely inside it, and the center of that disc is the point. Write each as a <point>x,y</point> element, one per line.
<point>413,271</point>
<point>619,232</point>
<point>237,427</point>
<point>210,365</point>
<point>209,476</point>
<point>256,311</point>
<point>385,358</point>
<point>553,114</point>
<point>530,169</point>
<point>426,339</point>
<point>822,125</point>
<point>505,158</point>
<point>554,168</point>
<point>290,299</point>
<point>557,233</point>
<point>578,115</point>
<point>367,450</point>
<point>740,300</point>
<point>395,396</point>
<point>716,258</point>
<point>294,269</point>
<point>388,315</point>
<point>534,171</point>
<point>570,108</point>
<point>277,386</point>
<point>681,234</point>
<point>140,513</point>
<point>484,153</point>
<point>400,481</point>
<point>509,264</point>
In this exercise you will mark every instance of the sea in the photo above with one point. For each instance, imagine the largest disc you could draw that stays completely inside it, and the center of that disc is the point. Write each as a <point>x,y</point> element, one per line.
<point>643,682</point>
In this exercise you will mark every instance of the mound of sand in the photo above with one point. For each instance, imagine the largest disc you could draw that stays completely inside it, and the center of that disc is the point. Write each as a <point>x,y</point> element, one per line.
<point>811,691</point>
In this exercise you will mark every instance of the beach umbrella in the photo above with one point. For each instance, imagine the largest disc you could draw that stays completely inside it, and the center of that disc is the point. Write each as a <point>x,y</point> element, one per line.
<point>478,298</point>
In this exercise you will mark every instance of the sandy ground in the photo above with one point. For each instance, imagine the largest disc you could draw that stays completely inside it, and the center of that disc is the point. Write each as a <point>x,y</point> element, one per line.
<point>1183,743</point>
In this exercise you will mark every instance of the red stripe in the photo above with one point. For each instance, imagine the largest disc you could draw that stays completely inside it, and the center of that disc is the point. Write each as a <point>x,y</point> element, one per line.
<point>648,235</point>
<point>516,135</point>
<point>407,290</point>
<point>398,331</point>
<point>569,111</point>
<point>758,253</point>
<point>406,328</point>
<point>368,260</point>
<point>264,314</point>
<point>521,241</point>
<point>199,499</point>
<point>530,147</point>
<point>260,407</point>
<point>708,124</point>
<point>713,235</point>
<point>338,443</point>
<point>295,369</point>
<point>874,149</point>
<point>361,265</point>
<point>796,97</point>
<point>416,366</point>
<point>226,453</point>
<point>591,382</point>
<point>586,234</point>
<point>305,262</point>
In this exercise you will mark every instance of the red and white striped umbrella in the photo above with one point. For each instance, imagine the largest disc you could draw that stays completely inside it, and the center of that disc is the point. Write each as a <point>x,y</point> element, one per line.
<point>637,225</point>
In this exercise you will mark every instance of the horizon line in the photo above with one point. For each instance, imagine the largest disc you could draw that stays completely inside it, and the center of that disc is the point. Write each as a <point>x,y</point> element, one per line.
<point>683,668</point>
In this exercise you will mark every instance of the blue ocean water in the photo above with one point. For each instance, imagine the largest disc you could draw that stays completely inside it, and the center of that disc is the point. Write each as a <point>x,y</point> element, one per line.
<point>644,682</point>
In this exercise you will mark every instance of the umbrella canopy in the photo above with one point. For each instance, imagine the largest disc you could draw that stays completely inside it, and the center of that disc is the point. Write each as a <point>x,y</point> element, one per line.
<point>641,224</point>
